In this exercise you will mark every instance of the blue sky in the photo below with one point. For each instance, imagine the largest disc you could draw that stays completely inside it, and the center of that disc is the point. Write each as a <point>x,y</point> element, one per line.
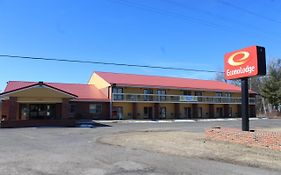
<point>178,33</point>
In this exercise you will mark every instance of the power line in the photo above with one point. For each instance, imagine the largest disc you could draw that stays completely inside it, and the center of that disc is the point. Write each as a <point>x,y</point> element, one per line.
<point>169,13</point>
<point>161,11</point>
<point>249,11</point>
<point>214,15</point>
<point>107,63</point>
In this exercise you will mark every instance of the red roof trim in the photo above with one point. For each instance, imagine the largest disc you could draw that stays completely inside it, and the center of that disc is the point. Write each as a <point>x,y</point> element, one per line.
<point>36,84</point>
<point>91,100</point>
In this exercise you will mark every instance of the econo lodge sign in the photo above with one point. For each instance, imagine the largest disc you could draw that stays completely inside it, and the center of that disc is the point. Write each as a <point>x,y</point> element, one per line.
<point>247,62</point>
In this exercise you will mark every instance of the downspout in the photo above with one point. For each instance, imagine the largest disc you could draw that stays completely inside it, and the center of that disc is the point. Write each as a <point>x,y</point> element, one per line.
<point>109,94</point>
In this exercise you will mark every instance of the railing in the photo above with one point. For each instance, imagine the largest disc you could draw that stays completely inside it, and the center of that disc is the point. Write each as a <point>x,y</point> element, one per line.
<point>177,98</point>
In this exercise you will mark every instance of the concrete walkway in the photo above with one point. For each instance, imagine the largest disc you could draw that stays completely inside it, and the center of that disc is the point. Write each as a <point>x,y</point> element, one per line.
<point>175,120</point>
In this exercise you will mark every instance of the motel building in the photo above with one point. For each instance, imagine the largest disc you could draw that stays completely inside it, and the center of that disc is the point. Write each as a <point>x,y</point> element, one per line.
<point>118,96</point>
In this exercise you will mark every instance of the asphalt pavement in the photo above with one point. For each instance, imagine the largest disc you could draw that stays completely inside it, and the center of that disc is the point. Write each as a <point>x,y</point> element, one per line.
<point>76,151</point>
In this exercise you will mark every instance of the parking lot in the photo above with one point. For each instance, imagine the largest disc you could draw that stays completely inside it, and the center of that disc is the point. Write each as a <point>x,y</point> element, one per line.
<point>50,151</point>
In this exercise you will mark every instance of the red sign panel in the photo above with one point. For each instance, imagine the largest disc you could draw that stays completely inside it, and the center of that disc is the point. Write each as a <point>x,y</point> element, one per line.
<point>245,62</point>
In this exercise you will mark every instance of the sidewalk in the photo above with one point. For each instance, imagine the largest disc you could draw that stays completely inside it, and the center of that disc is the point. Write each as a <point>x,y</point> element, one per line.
<point>173,121</point>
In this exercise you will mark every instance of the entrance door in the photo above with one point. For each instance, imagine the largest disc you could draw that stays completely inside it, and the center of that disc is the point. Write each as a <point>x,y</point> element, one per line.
<point>148,112</point>
<point>187,112</point>
<point>42,111</point>
<point>219,112</point>
<point>117,112</point>
<point>162,112</point>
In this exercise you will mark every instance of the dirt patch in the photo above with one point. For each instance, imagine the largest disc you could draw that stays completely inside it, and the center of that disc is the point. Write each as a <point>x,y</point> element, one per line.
<point>195,145</point>
<point>255,138</point>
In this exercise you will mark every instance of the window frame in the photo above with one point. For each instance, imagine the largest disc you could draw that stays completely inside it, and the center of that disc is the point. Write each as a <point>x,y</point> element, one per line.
<point>198,93</point>
<point>161,94</point>
<point>96,108</point>
<point>187,92</point>
<point>119,91</point>
<point>219,94</point>
<point>228,94</point>
<point>72,108</point>
<point>147,95</point>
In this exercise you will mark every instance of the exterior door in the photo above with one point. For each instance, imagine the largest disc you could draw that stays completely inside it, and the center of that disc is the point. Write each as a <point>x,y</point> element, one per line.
<point>219,112</point>
<point>148,112</point>
<point>118,113</point>
<point>162,112</point>
<point>187,112</point>
<point>41,111</point>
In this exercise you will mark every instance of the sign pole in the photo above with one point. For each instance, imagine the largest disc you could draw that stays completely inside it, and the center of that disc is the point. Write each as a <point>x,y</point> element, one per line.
<point>245,104</point>
<point>242,64</point>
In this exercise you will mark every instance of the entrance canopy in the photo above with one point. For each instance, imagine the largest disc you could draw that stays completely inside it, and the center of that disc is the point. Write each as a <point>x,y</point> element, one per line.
<point>37,92</point>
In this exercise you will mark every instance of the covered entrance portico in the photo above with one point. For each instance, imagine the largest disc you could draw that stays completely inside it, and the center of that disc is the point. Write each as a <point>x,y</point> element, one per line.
<point>38,104</point>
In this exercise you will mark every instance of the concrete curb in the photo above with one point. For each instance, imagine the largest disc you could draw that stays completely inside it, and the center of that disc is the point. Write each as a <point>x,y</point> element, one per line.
<point>174,121</point>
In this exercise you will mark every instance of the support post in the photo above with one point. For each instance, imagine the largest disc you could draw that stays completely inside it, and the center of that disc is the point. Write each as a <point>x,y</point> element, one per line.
<point>245,104</point>
<point>110,96</point>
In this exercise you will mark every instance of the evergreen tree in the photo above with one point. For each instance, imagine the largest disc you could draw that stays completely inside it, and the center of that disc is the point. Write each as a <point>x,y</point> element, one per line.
<point>271,85</point>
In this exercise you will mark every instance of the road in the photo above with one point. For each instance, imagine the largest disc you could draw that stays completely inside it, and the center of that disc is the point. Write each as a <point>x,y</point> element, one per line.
<point>76,151</point>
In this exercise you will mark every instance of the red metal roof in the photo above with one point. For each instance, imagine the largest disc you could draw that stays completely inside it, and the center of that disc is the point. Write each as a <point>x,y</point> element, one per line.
<point>83,91</point>
<point>166,82</point>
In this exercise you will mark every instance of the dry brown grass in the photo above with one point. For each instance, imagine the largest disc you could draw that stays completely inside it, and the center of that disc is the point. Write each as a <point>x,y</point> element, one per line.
<point>272,129</point>
<point>194,145</point>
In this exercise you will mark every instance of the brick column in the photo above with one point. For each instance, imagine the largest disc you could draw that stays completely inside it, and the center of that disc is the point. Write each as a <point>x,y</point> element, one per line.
<point>65,108</point>
<point>13,108</point>
<point>5,109</point>
<point>226,110</point>
<point>177,110</point>
<point>156,111</point>
<point>211,111</point>
<point>135,110</point>
<point>194,111</point>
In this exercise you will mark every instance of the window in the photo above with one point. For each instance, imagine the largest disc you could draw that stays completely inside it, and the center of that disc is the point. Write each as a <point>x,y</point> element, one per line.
<point>95,108</point>
<point>148,97</point>
<point>187,93</point>
<point>162,112</point>
<point>118,93</point>
<point>218,94</point>
<point>198,93</point>
<point>42,111</point>
<point>24,111</point>
<point>227,94</point>
<point>161,92</point>
<point>72,108</point>
<point>161,95</point>
<point>148,91</point>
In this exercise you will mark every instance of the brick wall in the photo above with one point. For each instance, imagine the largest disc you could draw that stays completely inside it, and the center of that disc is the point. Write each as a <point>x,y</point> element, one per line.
<point>65,108</point>
<point>257,138</point>
<point>82,110</point>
